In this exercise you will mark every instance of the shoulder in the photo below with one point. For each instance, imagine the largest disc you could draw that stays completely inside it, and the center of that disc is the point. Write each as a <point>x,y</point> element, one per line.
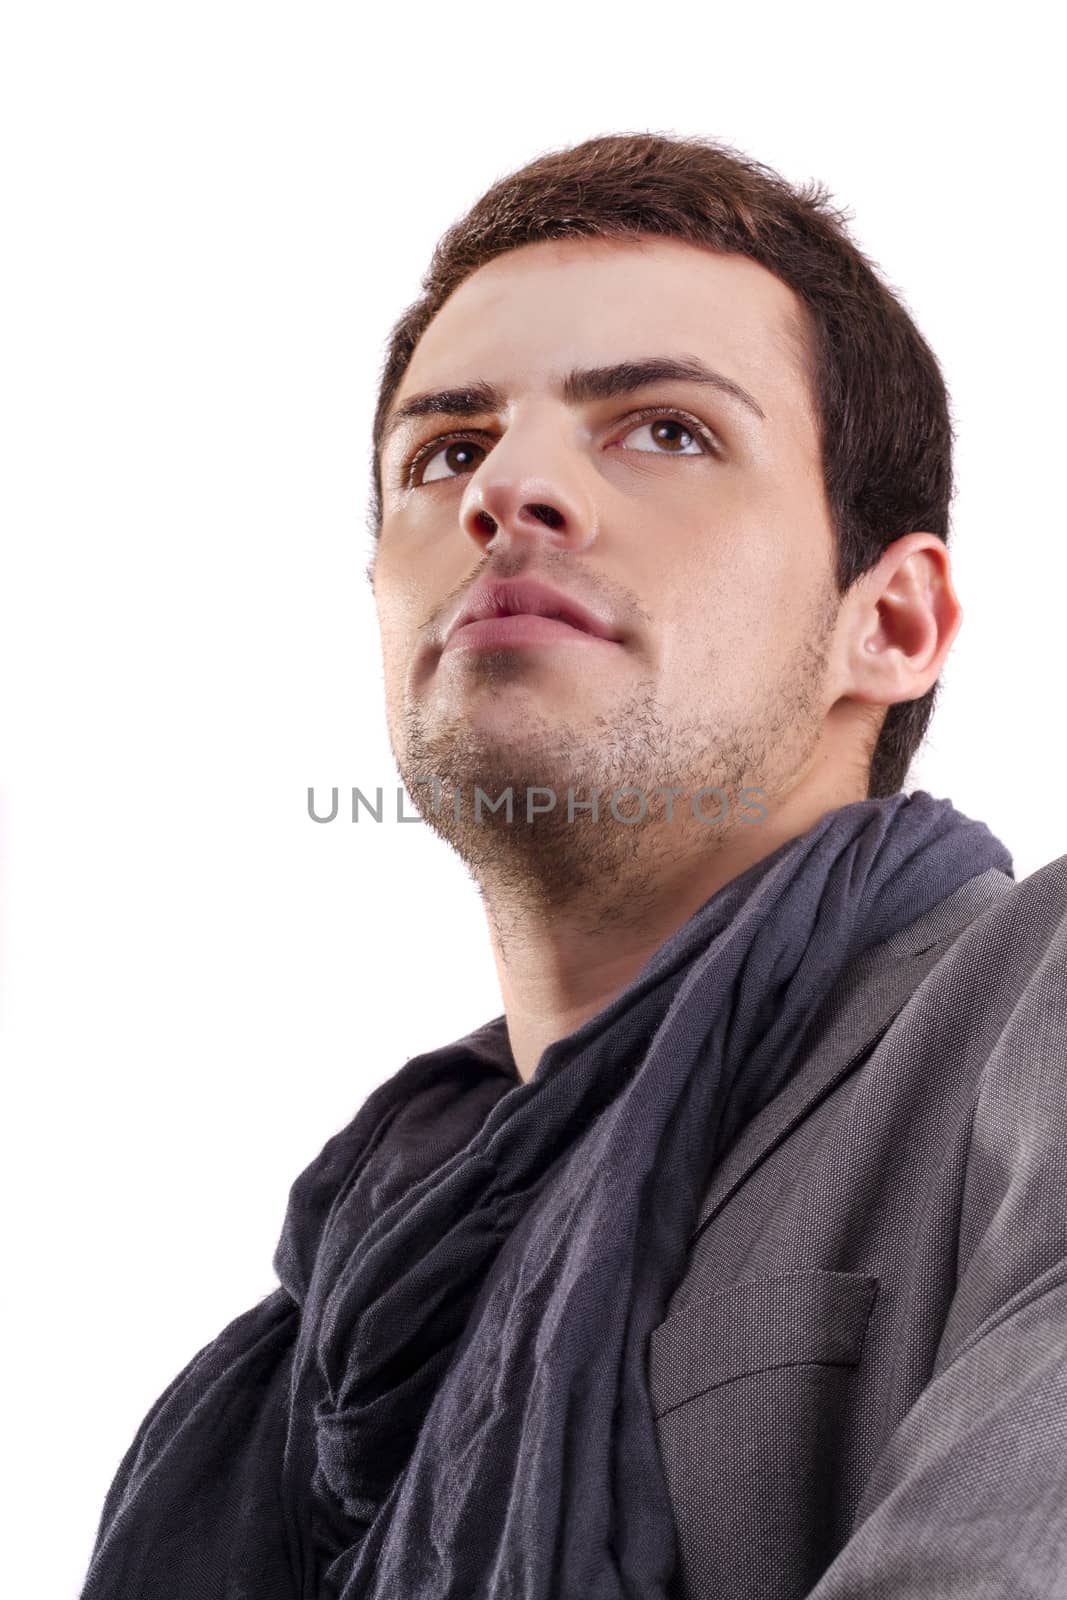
<point>1002,990</point>
<point>1013,1223</point>
<point>1013,954</point>
<point>1043,895</point>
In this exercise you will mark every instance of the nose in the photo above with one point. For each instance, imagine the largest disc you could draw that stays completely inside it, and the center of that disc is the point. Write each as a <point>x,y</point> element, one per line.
<point>528,491</point>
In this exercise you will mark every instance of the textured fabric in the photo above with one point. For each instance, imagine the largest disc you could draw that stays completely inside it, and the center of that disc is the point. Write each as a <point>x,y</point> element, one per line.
<point>860,1384</point>
<point>472,1271</point>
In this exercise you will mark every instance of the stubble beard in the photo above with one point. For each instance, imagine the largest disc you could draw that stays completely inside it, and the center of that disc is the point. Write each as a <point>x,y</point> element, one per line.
<point>591,868</point>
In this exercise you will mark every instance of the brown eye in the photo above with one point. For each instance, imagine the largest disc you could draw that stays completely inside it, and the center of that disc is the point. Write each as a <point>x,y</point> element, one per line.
<point>450,460</point>
<point>671,437</point>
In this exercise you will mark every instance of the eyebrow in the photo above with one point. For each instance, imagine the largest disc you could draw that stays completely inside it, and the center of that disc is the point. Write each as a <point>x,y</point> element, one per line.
<point>580,384</point>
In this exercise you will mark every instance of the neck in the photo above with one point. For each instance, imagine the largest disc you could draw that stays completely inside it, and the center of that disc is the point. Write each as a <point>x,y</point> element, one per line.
<point>557,969</point>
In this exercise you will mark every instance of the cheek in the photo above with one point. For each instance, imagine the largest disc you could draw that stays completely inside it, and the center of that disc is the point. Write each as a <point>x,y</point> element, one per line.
<point>396,627</point>
<point>722,625</point>
<point>744,567</point>
<point>420,564</point>
<point>400,589</point>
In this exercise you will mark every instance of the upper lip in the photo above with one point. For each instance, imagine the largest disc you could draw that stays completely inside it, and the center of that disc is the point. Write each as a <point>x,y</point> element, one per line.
<point>508,597</point>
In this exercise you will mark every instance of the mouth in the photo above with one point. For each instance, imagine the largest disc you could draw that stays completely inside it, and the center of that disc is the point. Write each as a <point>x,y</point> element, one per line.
<point>524,611</point>
<point>511,629</point>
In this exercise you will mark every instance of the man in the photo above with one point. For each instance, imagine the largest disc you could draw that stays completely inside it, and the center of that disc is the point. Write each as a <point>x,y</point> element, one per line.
<point>731,1260</point>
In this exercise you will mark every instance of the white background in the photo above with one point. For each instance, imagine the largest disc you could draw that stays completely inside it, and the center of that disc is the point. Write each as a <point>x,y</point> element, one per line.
<point>213,215</point>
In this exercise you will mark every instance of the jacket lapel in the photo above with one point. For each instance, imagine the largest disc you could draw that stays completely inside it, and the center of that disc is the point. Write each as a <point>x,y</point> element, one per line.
<point>859,1010</point>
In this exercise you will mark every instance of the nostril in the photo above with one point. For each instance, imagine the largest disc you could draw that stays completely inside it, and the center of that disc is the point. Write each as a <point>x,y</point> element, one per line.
<point>547,514</point>
<point>485,522</point>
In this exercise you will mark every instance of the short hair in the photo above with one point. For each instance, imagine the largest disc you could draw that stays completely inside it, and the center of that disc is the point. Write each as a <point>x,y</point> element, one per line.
<point>880,402</point>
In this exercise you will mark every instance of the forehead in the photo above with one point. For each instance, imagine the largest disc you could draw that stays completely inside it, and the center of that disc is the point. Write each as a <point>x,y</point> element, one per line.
<point>545,307</point>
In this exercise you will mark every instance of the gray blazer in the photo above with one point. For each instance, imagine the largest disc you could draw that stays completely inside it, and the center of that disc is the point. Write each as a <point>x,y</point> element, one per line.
<point>860,1385</point>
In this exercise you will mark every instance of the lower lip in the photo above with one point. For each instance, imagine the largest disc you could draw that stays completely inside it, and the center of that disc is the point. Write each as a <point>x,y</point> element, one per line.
<point>497,632</point>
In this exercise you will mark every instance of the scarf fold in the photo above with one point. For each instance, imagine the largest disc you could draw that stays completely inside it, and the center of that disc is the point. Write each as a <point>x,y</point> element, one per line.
<point>480,1262</point>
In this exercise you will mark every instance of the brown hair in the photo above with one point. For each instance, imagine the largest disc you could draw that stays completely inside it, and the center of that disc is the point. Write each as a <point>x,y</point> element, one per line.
<point>880,401</point>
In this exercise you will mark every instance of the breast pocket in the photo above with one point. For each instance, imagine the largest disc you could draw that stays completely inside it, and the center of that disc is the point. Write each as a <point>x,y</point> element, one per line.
<point>753,1390</point>
<point>755,1326</point>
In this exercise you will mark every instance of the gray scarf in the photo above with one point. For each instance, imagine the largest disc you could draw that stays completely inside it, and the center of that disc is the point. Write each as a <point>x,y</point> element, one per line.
<point>479,1262</point>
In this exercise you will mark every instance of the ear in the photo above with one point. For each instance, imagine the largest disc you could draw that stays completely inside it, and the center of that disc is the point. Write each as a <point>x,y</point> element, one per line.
<point>904,617</point>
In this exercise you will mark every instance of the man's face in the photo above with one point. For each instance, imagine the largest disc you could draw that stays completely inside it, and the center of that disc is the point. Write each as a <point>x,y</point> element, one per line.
<point>695,527</point>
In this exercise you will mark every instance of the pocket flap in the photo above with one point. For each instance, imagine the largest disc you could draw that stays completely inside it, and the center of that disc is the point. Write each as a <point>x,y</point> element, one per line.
<point>756,1324</point>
